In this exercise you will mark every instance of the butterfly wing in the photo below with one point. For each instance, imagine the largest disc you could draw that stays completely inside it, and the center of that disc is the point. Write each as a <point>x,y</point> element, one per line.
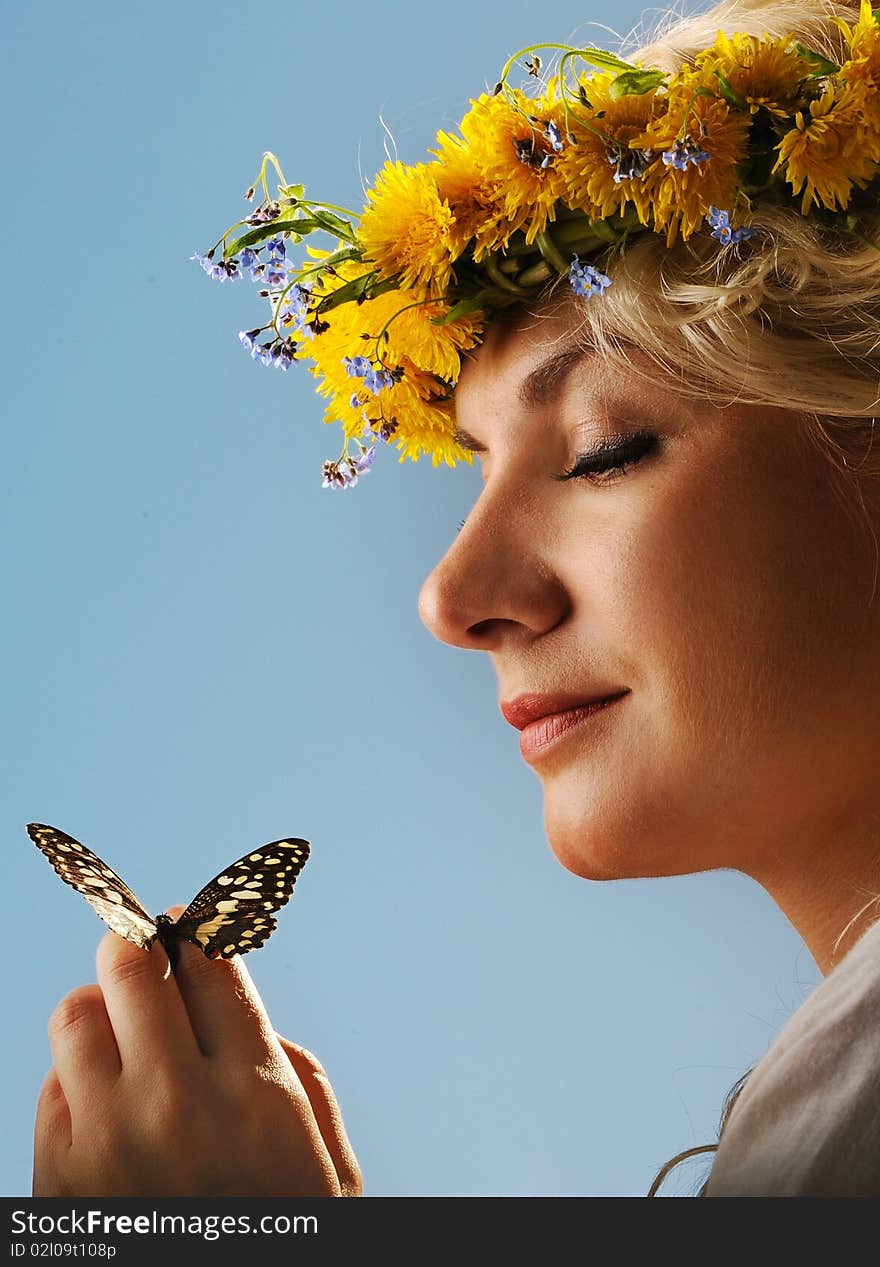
<point>234,913</point>
<point>99,885</point>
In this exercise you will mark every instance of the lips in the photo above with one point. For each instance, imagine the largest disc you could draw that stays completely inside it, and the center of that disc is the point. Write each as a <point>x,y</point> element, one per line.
<point>544,720</point>
<point>523,710</point>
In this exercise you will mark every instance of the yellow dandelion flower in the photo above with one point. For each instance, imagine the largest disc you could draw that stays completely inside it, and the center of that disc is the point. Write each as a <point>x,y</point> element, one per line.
<point>396,326</point>
<point>821,154</point>
<point>431,430</point>
<point>475,201</point>
<point>414,339</point>
<point>862,71</point>
<point>763,72</point>
<point>601,150</point>
<point>500,175</point>
<point>681,197</point>
<point>423,420</point>
<point>406,228</point>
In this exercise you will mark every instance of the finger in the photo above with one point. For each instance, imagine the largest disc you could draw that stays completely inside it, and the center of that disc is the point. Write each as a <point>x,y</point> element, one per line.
<point>83,1047</point>
<point>317,1087</point>
<point>143,1002</point>
<point>225,1009</point>
<point>52,1136</point>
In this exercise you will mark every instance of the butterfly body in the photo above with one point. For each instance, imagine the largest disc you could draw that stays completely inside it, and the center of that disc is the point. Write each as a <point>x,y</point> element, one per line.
<point>231,915</point>
<point>168,934</point>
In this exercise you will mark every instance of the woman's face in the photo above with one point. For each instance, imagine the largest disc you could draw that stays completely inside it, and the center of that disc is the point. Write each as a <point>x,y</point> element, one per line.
<point>714,581</point>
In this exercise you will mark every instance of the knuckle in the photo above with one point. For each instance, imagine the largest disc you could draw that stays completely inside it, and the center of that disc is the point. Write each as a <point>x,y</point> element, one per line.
<point>303,1060</point>
<point>311,1061</point>
<point>51,1130</point>
<point>121,962</point>
<point>76,1009</point>
<point>196,965</point>
<point>51,1099</point>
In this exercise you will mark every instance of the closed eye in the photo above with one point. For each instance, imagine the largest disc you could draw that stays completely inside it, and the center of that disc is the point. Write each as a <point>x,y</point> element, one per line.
<point>612,457</point>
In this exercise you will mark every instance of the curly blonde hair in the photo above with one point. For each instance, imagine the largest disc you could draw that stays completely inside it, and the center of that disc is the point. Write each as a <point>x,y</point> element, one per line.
<point>790,318</point>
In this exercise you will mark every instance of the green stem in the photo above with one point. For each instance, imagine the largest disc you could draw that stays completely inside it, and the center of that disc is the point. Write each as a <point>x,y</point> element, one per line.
<point>269,157</point>
<point>238,224</point>
<point>281,298</point>
<point>490,267</point>
<point>571,231</point>
<point>594,56</point>
<point>584,245</point>
<point>419,303</point>
<point>540,272</point>
<point>551,252</point>
<point>605,232</point>
<point>343,211</point>
<point>519,248</point>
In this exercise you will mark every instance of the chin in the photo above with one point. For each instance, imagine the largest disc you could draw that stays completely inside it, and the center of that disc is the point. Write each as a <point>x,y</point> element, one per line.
<point>620,843</point>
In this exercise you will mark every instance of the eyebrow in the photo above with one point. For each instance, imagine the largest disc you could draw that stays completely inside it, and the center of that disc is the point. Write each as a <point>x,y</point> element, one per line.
<point>538,387</point>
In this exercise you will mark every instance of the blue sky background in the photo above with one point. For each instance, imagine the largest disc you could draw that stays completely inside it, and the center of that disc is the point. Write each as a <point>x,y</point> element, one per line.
<point>204,650</point>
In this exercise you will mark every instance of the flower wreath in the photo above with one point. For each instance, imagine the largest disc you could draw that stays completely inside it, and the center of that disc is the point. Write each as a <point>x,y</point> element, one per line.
<point>534,187</point>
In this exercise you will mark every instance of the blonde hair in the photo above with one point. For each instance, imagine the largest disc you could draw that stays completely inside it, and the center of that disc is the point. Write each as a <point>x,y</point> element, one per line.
<point>789,319</point>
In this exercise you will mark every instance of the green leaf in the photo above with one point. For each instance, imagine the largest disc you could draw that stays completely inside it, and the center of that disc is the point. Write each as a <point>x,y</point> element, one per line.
<point>633,83</point>
<point>728,93</point>
<point>334,224</point>
<point>297,227</point>
<point>292,191</point>
<point>464,308</point>
<point>602,58</point>
<point>341,257</point>
<point>823,67</point>
<point>357,290</point>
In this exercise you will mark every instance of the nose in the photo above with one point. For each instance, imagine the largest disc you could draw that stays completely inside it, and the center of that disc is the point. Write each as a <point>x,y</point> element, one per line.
<point>496,581</point>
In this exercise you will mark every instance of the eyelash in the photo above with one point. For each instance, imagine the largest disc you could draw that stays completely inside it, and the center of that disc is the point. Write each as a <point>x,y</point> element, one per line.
<point>607,458</point>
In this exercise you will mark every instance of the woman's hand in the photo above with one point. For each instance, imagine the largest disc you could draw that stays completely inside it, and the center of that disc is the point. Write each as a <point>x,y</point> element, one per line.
<point>177,1085</point>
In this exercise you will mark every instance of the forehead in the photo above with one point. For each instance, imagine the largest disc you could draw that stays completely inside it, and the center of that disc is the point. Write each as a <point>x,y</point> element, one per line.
<point>518,342</point>
<point>531,358</point>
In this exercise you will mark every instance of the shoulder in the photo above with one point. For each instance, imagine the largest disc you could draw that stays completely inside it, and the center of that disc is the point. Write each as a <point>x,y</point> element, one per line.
<point>808,1121</point>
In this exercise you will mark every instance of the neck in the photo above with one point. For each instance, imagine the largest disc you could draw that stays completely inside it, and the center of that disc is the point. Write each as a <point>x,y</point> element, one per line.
<point>832,892</point>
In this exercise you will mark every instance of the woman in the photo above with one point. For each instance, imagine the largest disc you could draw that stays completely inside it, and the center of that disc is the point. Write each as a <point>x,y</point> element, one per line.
<point>672,565</point>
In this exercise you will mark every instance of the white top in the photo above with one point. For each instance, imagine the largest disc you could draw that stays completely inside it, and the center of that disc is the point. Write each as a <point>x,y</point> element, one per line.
<point>808,1120</point>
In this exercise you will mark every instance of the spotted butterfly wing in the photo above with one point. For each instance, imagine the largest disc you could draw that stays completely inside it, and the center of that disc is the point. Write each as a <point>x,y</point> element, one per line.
<point>99,884</point>
<point>230,915</point>
<point>234,913</point>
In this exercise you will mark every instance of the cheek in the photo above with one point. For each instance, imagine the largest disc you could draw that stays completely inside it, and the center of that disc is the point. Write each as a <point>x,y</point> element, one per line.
<point>737,601</point>
<point>730,618</point>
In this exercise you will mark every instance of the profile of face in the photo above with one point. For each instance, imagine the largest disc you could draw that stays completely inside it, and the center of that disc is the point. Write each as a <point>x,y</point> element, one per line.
<point>692,560</point>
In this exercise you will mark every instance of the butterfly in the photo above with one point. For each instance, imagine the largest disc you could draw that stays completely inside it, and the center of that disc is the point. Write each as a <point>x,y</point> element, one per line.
<point>230,916</point>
